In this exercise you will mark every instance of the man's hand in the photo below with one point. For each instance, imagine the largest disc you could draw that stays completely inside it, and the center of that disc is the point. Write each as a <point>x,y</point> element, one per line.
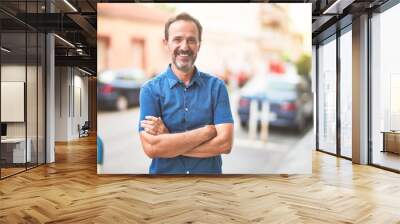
<point>221,143</point>
<point>169,145</point>
<point>154,125</point>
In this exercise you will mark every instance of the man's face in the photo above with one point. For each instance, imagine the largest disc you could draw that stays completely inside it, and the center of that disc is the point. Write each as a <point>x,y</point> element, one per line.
<point>183,44</point>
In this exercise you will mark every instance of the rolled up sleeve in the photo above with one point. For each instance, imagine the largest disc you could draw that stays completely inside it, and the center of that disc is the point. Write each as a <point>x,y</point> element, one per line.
<point>149,105</point>
<point>222,110</point>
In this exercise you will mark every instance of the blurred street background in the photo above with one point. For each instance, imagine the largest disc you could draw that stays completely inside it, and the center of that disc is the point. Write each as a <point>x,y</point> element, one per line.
<point>263,55</point>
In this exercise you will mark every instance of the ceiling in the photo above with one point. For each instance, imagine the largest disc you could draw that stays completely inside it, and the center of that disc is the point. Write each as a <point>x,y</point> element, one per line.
<point>330,15</point>
<point>76,22</point>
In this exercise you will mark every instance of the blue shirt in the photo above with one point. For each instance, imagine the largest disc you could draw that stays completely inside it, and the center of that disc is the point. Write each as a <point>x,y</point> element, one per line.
<point>182,108</point>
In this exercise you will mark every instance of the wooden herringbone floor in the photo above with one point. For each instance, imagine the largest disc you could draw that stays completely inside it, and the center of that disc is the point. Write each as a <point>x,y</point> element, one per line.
<point>70,191</point>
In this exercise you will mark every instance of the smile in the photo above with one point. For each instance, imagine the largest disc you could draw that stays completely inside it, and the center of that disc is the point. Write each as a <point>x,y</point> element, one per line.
<point>184,56</point>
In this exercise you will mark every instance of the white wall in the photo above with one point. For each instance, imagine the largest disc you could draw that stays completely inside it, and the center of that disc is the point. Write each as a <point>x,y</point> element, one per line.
<point>62,81</point>
<point>33,126</point>
<point>80,109</point>
<point>71,94</point>
<point>15,73</point>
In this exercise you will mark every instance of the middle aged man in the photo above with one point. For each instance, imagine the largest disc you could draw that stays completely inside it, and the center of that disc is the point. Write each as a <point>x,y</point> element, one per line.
<point>185,117</point>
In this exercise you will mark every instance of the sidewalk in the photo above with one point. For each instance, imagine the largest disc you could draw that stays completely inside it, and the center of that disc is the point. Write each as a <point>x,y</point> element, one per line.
<point>256,157</point>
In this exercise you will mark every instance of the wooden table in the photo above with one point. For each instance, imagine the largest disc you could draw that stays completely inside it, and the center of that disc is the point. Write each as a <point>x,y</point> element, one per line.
<point>391,141</point>
<point>14,150</point>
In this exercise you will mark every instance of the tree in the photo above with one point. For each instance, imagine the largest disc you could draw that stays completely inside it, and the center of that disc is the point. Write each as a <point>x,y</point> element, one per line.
<point>303,66</point>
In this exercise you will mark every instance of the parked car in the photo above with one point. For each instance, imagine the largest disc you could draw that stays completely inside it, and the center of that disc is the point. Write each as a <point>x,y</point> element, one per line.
<point>119,89</point>
<point>289,96</point>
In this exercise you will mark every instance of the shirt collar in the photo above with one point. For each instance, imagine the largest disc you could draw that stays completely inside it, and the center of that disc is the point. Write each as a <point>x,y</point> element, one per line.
<point>173,79</point>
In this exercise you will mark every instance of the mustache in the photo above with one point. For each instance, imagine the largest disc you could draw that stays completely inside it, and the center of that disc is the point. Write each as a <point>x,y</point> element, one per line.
<point>188,52</point>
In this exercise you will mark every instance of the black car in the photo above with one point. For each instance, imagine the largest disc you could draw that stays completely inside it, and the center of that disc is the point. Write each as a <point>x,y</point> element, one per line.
<point>119,89</point>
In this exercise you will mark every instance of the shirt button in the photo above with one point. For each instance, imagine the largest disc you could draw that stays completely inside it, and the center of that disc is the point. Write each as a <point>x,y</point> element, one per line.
<point>187,172</point>
<point>186,109</point>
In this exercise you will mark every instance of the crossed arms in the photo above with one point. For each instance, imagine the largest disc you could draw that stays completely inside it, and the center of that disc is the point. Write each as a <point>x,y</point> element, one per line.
<point>207,141</point>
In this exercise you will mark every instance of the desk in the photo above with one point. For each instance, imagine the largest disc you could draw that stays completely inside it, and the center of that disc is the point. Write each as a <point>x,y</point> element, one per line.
<point>17,150</point>
<point>391,141</point>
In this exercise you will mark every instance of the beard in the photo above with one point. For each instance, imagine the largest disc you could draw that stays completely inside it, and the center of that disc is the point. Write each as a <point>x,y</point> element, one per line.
<point>184,65</point>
